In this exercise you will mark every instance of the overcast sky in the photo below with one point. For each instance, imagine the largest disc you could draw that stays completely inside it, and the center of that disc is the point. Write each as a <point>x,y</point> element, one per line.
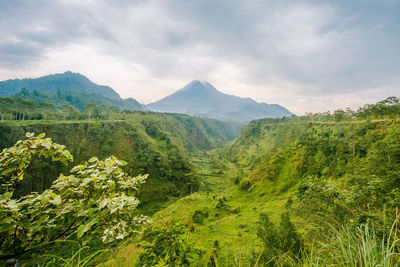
<point>305,55</point>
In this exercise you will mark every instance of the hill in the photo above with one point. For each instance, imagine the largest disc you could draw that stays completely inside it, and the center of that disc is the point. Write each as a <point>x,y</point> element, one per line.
<point>61,82</point>
<point>204,100</point>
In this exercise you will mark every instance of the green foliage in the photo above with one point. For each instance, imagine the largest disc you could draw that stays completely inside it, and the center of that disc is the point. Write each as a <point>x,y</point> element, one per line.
<point>388,108</point>
<point>245,185</point>
<point>351,245</point>
<point>15,160</point>
<point>165,246</point>
<point>284,240</point>
<point>97,200</point>
<point>79,256</point>
<point>221,204</point>
<point>199,216</point>
<point>364,246</point>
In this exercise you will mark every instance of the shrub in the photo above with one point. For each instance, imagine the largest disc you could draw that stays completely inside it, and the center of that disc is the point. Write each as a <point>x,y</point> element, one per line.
<point>245,185</point>
<point>199,216</point>
<point>279,243</point>
<point>165,245</point>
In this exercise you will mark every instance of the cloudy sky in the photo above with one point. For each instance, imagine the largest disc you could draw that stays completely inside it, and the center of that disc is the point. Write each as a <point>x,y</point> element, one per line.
<point>305,55</point>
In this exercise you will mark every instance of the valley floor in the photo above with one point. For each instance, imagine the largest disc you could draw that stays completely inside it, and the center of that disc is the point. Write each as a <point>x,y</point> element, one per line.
<point>233,224</point>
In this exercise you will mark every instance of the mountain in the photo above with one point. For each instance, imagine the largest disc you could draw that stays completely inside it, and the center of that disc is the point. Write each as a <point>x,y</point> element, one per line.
<point>61,82</point>
<point>66,88</point>
<point>204,100</point>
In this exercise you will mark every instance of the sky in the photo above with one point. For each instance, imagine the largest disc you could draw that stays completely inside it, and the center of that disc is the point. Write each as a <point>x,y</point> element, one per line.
<point>309,56</point>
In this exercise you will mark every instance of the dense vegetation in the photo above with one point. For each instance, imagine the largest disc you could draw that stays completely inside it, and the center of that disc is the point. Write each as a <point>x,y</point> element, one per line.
<point>317,190</point>
<point>78,100</point>
<point>156,144</point>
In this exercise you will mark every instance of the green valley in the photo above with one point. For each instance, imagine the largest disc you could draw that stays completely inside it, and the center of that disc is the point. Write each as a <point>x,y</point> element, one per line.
<point>300,191</point>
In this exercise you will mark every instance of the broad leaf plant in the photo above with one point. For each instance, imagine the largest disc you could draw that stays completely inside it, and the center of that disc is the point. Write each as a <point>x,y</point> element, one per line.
<point>97,200</point>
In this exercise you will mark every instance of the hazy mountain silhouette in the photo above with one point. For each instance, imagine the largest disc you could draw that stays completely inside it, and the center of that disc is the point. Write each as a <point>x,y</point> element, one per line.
<point>204,100</point>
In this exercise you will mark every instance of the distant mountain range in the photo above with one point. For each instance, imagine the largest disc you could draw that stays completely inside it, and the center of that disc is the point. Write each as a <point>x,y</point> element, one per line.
<point>66,88</point>
<point>204,100</point>
<point>196,99</point>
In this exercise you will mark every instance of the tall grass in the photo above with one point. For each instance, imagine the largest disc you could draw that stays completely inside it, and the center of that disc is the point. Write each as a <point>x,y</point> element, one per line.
<point>363,246</point>
<point>79,257</point>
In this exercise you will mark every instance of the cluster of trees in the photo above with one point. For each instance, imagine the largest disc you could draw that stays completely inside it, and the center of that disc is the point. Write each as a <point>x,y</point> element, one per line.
<point>36,105</point>
<point>385,109</point>
<point>77,100</point>
<point>20,109</point>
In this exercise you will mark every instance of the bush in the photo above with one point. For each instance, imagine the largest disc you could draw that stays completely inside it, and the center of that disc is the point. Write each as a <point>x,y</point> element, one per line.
<point>199,216</point>
<point>279,243</point>
<point>165,245</point>
<point>222,205</point>
<point>245,185</point>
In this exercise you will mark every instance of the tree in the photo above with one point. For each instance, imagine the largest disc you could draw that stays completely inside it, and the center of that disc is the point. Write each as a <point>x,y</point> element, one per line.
<point>91,109</point>
<point>68,112</point>
<point>5,104</point>
<point>339,115</point>
<point>96,201</point>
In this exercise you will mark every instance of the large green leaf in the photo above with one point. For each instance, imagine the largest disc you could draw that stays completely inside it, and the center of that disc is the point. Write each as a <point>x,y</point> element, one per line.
<point>82,229</point>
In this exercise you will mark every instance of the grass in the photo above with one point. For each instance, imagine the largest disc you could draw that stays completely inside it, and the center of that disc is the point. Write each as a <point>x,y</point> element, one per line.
<point>364,247</point>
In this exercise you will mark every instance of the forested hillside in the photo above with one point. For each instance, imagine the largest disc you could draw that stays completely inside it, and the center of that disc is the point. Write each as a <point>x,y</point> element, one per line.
<point>155,144</point>
<point>78,100</point>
